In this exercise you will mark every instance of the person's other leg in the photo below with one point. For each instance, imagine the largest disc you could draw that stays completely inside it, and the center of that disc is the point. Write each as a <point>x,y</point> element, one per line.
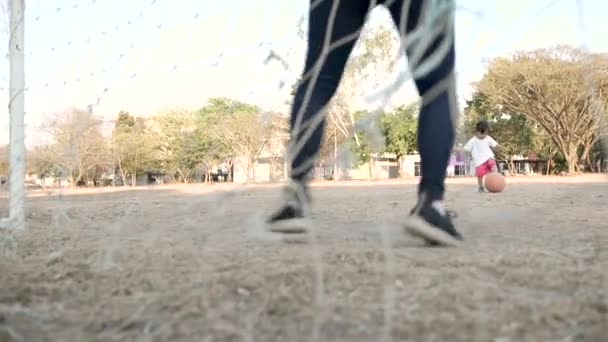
<point>321,76</point>
<point>480,172</point>
<point>438,112</point>
<point>437,88</point>
<point>335,21</point>
<point>480,186</point>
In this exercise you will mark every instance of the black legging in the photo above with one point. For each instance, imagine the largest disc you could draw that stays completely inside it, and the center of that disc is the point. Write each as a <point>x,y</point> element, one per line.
<point>437,88</point>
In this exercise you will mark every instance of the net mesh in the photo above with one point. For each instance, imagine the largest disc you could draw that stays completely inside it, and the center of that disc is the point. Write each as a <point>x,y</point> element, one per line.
<point>174,261</point>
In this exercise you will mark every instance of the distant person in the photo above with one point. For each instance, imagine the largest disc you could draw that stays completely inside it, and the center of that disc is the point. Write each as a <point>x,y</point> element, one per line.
<point>481,147</point>
<point>339,23</point>
<point>451,172</point>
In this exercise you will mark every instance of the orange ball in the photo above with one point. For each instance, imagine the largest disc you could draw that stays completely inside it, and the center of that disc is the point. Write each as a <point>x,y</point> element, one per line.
<point>494,182</point>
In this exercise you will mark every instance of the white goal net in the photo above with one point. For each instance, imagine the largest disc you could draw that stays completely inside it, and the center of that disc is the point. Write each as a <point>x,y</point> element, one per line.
<point>142,142</point>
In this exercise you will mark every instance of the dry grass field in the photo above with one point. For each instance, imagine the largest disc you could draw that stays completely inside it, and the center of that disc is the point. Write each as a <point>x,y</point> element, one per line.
<point>193,263</point>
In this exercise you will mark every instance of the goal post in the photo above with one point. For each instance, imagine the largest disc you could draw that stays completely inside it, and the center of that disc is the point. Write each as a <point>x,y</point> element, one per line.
<point>16,107</point>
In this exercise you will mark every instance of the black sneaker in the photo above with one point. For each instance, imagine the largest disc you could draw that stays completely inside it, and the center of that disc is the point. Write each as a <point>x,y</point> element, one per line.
<point>293,216</point>
<point>481,189</point>
<point>436,229</point>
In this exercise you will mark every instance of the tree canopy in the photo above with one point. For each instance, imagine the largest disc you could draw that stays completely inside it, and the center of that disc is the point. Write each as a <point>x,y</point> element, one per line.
<point>562,89</point>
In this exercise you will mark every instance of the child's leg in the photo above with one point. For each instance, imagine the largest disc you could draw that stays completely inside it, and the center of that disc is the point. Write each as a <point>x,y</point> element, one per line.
<point>482,170</point>
<point>480,182</point>
<point>493,165</point>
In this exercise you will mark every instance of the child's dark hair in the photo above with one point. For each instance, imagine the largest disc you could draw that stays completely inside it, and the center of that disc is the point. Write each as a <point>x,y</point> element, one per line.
<point>482,127</point>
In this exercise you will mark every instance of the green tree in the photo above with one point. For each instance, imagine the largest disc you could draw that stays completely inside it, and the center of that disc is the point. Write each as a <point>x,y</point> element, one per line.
<point>133,147</point>
<point>515,132</point>
<point>400,130</point>
<point>562,89</point>
<point>180,143</point>
<point>244,130</point>
<point>216,149</point>
<point>370,139</point>
<point>124,120</point>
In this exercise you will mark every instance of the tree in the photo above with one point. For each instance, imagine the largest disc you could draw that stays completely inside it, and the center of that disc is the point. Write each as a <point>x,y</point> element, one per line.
<point>180,143</point>
<point>513,131</point>
<point>400,130</point>
<point>563,89</point>
<point>371,139</point>
<point>41,162</point>
<point>3,160</point>
<point>125,120</point>
<point>244,129</point>
<point>79,149</point>
<point>132,147</point>
<point>277,145</point>
<point>215,147</point>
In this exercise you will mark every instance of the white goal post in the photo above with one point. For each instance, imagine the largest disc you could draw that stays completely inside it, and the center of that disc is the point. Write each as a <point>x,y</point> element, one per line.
<point>16,106</point>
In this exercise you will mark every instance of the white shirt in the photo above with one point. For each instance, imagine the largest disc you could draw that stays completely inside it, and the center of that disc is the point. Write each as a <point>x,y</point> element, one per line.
<point>480,149</point>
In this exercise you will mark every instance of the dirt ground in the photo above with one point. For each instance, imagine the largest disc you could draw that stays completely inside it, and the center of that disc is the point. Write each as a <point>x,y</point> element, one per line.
<point>193,263</point>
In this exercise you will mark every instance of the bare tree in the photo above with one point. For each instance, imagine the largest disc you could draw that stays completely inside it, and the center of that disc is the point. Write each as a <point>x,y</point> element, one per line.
<point>563,89</point>
<point>78,147</point>
<point>246,130</point>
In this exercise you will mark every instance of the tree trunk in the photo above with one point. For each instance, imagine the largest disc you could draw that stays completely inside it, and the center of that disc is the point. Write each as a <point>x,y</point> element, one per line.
<point>251,170</point>
<point>570,152</point>
<point>511,166</point>
<point>230,170</point>
<point>272,167</point>
<point>336,166</point>
<point>572,164</point>
<point>371,168</point>
<point>134,179</point>
<point>586,157</point>
<point>590,164</point>
<point>183,176</point>
<point>285,172</point>
<point>123,176</point>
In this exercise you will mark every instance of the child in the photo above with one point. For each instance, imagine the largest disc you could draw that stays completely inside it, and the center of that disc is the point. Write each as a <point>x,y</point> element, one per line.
<point>334,27</point>
<point>481,149</point>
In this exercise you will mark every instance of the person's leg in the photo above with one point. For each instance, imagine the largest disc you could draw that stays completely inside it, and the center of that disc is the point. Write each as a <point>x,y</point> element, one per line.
<point>480,172</point>
<point>321,76</point>
<point>329,21</point>
<point>437,88</point>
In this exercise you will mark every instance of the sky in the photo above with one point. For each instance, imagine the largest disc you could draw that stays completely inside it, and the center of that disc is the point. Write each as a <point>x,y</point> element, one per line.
<point>146,56</point>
